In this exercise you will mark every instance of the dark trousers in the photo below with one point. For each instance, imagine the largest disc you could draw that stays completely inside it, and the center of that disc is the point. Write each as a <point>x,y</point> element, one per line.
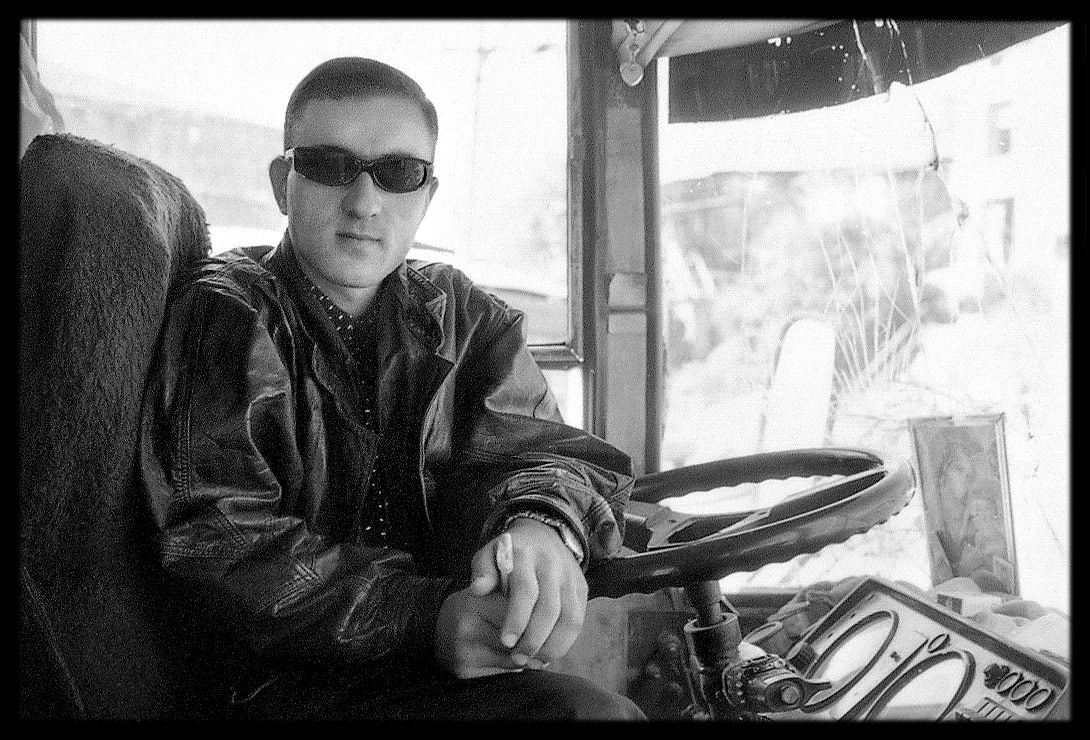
<point>395,689</point>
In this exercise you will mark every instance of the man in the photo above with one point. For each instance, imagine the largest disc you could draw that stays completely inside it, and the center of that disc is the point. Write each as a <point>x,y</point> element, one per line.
<point>336,439</point>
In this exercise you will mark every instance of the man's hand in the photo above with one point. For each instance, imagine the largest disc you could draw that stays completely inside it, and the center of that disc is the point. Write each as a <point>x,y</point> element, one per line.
<point>467,635</point>
<point>480,632</point>
<point>547,593</point>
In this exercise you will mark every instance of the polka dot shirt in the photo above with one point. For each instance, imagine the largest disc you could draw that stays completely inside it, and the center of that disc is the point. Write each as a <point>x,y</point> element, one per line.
<point>359,336</point>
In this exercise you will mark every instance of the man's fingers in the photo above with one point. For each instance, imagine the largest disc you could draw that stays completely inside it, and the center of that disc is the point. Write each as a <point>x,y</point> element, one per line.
<point>482,659</point>
<point>542,622</point>
<point>479,672</point>
<point>557,645</point>
<point>505,560</point>
<point>554,625</point>
<point>483,584</point>
<point>484,650</point>
<point>484,578</point>
<point>467,638</point>
<point>492,566</point>
<point>520,606</point>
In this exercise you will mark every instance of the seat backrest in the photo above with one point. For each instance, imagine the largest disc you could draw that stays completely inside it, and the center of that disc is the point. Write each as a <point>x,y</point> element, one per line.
<point>103,236</point>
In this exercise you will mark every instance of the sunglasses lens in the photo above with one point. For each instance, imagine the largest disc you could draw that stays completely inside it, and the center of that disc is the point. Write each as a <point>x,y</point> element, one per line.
<point>326,166</point>
<point>336,168</point>
<point>400,174</point>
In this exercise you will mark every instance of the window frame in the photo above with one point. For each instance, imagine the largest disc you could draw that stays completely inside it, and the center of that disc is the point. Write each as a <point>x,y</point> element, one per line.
<point>571,352</point>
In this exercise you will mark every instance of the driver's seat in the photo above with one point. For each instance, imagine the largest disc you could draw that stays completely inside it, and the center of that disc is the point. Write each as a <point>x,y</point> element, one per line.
<point>103,236</point>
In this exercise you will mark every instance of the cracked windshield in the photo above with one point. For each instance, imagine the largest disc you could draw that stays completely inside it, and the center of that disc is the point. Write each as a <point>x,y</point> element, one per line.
<point>845,276</point>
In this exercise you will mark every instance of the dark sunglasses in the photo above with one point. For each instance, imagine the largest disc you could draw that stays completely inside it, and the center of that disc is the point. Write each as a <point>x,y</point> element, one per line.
<point>336,167</point>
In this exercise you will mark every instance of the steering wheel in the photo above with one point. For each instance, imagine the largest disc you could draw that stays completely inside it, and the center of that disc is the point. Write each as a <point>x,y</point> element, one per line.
<point>665,548</point>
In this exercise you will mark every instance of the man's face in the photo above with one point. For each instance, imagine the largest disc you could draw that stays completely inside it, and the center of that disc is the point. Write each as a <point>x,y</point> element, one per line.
<point>352,236</point>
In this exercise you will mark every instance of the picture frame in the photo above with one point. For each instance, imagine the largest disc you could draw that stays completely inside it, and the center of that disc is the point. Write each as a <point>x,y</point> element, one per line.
<point>965,486</point>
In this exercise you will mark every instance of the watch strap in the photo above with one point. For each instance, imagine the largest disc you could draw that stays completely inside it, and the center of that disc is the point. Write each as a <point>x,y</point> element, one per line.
<point>567,536</point>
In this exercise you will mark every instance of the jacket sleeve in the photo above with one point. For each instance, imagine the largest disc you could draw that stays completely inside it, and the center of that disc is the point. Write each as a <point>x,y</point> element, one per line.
<point>512,450</point>
<point>222,470</point>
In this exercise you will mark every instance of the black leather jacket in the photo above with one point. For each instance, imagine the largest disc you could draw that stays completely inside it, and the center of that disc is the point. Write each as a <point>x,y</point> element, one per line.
<point>254,458</point>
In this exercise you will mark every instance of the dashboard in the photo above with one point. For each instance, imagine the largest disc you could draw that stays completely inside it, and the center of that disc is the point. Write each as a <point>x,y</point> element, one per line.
<point>890,655</point>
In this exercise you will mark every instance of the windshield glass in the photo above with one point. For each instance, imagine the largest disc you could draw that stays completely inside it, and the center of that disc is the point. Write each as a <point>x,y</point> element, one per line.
<point>838,276</point>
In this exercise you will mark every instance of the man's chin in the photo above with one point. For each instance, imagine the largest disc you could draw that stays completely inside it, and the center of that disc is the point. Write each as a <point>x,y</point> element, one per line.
<point>358,279</point>
<point>347,274</point>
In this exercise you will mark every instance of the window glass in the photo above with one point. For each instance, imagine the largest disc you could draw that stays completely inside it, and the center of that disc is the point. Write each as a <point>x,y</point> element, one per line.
<point>205,99</point>
<point>833,274</point>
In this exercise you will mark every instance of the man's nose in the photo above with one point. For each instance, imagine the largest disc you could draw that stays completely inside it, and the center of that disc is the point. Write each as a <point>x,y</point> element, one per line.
<point>363,198</point>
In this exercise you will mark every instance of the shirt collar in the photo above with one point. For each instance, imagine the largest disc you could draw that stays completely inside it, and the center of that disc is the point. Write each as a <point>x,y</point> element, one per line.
<point>408,288</point>
<point>353,330</point>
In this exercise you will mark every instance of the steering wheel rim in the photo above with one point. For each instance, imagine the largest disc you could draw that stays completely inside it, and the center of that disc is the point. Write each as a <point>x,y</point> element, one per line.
<point>664,548</point>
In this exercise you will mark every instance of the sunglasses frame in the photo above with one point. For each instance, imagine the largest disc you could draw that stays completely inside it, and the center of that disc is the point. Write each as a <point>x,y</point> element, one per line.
<point>368,166</point>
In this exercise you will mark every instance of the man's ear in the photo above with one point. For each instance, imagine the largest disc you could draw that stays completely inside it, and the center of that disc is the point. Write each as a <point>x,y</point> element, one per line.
<point>431,190</point>
<point>278,177</point>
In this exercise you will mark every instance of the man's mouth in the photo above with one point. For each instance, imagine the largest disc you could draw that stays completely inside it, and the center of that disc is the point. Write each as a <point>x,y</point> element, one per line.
<point>357,237</point>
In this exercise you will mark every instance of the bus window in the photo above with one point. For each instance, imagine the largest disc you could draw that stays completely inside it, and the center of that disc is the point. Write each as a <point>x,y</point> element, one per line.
<point>202,99</point>
<point>925,233</point>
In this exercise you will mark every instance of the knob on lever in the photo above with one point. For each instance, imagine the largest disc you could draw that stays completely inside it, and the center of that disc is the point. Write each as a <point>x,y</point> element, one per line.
<point>767,684</point>
<point>737,678</point>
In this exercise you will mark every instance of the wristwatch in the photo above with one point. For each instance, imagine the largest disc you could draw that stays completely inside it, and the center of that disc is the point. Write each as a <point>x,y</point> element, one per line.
<point>567,536</point>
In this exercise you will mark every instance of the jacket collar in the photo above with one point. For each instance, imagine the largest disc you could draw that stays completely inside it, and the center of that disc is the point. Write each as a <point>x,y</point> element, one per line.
<point>422,302</point>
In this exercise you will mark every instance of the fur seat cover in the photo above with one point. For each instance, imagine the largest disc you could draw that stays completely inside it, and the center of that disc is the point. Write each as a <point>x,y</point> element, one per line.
<point>103,235</point>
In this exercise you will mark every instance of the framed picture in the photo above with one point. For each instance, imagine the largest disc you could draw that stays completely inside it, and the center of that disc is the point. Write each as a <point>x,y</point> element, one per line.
<point>965,486</point>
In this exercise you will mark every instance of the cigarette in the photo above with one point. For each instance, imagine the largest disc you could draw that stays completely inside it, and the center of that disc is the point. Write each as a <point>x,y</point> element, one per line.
<point>505,560</point>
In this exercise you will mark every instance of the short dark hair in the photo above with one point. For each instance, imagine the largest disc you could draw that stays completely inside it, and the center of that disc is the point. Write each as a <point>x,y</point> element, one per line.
<point>356,77</point>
